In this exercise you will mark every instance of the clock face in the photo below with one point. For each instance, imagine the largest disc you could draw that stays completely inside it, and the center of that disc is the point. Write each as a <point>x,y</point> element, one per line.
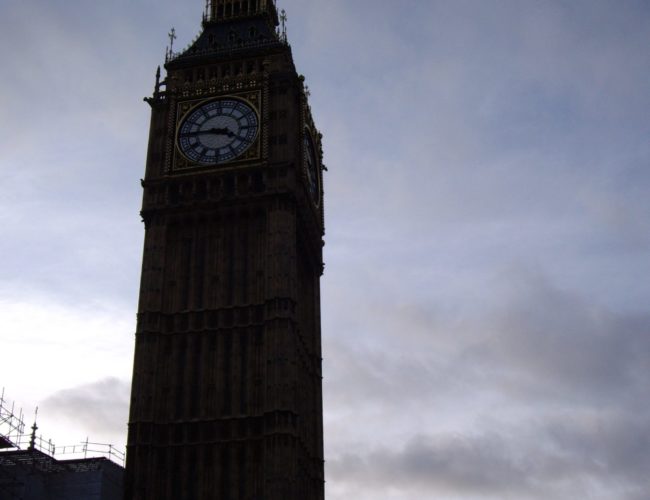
<point>218,131</point>
<point>311,166</point>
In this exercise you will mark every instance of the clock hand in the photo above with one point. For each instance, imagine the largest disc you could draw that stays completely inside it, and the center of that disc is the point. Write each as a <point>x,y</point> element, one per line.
<point>231,134</point>
<point>217,131</point>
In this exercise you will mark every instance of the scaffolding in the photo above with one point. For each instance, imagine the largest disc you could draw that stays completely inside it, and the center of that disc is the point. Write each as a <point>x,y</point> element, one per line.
<point>12,424</point>
<point>14,438</point>
<point>24,454</point>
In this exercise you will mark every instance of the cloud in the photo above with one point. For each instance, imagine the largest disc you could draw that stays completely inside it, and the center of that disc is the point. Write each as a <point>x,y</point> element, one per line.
<point>446,464</point>
<point>538,392</point>
<point>99,408</point>
<point>50,343</point>
<point>559,343</point>
<point>596,456</point>
<point>527,334</point>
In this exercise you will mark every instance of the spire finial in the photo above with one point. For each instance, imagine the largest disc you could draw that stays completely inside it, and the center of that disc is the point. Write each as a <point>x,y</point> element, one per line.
<point>157,87</point>
<point>169,51</point>
<point>32,441</point>
<point>283,20</point>
<point>172,36</point>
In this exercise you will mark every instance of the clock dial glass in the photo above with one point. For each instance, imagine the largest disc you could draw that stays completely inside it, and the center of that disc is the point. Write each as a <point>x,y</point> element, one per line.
<point>311,166</point>
<point>218,131</point>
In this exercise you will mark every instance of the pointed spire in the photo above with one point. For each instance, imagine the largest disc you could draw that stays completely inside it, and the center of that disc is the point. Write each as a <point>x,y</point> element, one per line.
<point>157,87</point>
<point>283,21</point>
<point>172,36</point>
<point>32,441</point>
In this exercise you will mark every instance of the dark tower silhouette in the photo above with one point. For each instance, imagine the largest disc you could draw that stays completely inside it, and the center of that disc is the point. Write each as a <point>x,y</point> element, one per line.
<point>226,400</point>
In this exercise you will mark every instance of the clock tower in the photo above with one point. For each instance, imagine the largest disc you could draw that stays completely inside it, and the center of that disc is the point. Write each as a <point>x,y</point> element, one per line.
<point>226,399</point>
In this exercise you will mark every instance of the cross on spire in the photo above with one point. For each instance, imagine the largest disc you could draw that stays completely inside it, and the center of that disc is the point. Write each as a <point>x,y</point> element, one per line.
<point>172,36</point>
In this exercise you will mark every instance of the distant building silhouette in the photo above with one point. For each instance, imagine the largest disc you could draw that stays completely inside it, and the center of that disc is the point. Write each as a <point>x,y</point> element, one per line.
<point>226,397</point>
<point>34,475</point>
<point>29,471</point>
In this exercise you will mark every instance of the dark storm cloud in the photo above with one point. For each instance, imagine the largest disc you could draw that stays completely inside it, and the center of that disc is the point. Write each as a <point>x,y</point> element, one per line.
<point>562,458</point>
<point>454,463</point>
<point>100,407</point>
<point>553,385</point>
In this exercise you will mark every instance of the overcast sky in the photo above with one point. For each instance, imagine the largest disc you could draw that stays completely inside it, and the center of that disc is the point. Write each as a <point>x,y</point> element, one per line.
<point>486,317</point>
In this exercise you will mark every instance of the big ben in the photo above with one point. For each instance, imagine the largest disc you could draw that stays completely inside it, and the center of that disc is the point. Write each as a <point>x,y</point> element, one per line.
<point>226,398</point>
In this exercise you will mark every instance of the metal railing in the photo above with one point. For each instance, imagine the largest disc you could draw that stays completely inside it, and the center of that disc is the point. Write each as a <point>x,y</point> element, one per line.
<point>12,429</point>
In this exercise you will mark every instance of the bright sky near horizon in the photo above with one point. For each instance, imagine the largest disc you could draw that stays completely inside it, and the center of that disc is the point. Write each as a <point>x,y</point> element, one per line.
<point>486,319</point>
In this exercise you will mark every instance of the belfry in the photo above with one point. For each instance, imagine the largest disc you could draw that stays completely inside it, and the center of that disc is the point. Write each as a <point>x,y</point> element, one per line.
<point>226,398</point>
